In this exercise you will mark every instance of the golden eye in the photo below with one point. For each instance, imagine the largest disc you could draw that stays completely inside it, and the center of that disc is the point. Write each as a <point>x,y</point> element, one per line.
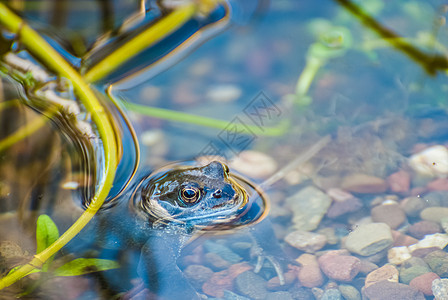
<point>190,194</point>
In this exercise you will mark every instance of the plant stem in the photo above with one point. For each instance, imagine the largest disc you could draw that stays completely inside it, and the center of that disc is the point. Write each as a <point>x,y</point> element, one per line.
<point>38,47</point>
<point>177,116</point>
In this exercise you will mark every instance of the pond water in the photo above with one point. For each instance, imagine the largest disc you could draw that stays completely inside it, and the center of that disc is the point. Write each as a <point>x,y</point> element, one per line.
<point>337,109</point>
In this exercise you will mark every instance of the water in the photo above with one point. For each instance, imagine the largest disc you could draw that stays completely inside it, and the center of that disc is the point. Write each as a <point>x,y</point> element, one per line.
<point>379,100</point>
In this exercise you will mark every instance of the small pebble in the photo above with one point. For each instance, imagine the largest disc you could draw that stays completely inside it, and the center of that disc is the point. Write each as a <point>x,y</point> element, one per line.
<point>309,205</point>
<point>309,274</point>
<point>254,164</point>
<point>198,275</point>
<point>279,296</point>
<point>438,262</point>
<point>216,262</point>
<point>434,214</point>
<point>367,267</point>
<point>432,161</point>
<point>440,184</point>
<point>398,255</point>
<point>221,281</point>
<point>412,268</point>
<point>224,93</point>
<point>251,285</point>
<point>339,208</point>
<point>439,240</point>
<point>444,224</point>
<point>440,288</point>
<point>422,228</point>
<point>412,206</point>
<point>368,239</point>
<point>399,182</point>
<point>364,184</point>
<point>422,252</point>
<point>349,292</point>
<point>401,239</point>
<point>300,293</point>
<point>330,234</point>
<point>423,283</point>
<point>339,267</point>
<point>391,214</point>
<point>386,272</point>
<point>331,294</point>
<point>386,290</point>
<point>306,241</point>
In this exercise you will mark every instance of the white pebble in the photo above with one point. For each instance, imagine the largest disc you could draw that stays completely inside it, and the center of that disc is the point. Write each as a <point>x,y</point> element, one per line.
<point>432,161</point>
<point>224,93</point>
<point>398,255</point>
<point>254,164</point>
<point>439,240</point>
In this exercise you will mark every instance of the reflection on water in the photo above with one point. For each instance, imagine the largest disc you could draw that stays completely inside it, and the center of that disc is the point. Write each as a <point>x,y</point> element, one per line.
<point>372,202</point>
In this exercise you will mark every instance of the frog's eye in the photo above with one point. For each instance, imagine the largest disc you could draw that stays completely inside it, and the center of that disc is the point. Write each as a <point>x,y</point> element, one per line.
<point>190,195</point>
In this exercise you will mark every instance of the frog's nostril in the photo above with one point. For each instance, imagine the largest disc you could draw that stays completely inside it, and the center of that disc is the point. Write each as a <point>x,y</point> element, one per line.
<point>217,194</point>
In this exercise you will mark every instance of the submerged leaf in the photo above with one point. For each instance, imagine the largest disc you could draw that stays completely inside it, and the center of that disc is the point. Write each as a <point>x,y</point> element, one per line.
<point>81,266</point>
<point>46,232</point>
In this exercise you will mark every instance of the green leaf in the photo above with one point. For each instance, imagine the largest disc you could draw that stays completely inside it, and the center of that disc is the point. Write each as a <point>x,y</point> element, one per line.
<point>30,272</point>
<point>46,233</point>
<point>82,266</point>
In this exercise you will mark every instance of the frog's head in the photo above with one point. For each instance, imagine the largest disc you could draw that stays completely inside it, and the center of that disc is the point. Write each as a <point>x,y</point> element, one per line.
<point>192,195</point>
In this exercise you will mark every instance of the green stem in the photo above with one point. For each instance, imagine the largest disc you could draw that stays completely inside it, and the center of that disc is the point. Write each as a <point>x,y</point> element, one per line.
<point>148,37</point>
<point>34,125</point>
<point>176,116</point>
<point>38,47</point>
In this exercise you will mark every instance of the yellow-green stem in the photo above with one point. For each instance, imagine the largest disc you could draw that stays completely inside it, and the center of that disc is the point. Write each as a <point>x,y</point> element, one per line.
<point>38,47</point>
<point>149,37</point>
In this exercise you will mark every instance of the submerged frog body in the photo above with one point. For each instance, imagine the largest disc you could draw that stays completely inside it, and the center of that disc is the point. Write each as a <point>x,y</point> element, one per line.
<point>163,212</point>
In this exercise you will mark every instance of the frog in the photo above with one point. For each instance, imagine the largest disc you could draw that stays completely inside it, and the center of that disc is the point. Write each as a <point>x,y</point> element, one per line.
<point>164,211</point>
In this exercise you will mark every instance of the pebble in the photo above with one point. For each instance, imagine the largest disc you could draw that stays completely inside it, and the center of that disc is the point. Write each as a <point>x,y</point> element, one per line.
<point>412,206</point>
<point>368,239</point>
<point>330,234</point>
<point>440,184</point>
<point>412,268</point>
<point>422,252</point>
<point>216,262</point>
<point>251,285</point>
<point>440,288</point>
<point>349,292</point>
<point>224,93</point>
<point>221,281</point>
<point>300,293</point>
<point>398,255</point>
<point>423,283</point>
<point>422,228</point>
<point>386,272</point>
<point>363,184</point>
<point>306,241</point>
<point>198,275</point>
<point>339,267</point>
<point>254,164</point>
<point>391,214</point>
<point>434,214</point>
<point>438,262</point>
<point>309,205</point>
<point>386,290</point>
<point>401,239</point>
<point>290,277</point>
<point>279,296</point>
<point>339,208</point>
<point>432,161</point>
<point>331,294</point>
<point>444,224</point>
<point>399,182</point>
<point>228,295</point>
<point>367,267</point>
<point>309,274</point>
<point>224,252</point>
<point>439,240</point>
